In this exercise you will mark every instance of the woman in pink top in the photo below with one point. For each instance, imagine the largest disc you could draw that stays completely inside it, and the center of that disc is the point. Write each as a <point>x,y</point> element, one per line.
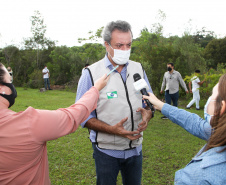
<point>23,135</point>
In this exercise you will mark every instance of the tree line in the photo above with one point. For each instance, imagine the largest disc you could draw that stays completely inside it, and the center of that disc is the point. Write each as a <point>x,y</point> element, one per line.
<point>201,50</point>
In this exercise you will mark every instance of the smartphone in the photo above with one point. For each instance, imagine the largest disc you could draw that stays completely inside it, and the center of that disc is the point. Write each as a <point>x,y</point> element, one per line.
<point>112,70</point>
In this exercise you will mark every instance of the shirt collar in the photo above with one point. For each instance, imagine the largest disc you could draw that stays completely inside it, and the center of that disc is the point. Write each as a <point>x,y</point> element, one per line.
<point>109,64</point>
<point>211,157</point>
<point>172,72</point>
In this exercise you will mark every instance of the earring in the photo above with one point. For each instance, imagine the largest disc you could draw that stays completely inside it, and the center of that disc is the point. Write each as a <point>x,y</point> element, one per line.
<point>3,91</point>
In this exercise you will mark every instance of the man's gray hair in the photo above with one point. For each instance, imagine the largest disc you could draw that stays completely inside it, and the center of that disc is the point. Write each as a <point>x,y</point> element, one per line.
<point>122,26</point>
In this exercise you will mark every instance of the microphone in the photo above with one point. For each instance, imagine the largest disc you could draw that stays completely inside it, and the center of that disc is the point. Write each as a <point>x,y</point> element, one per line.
<point>141,85</point>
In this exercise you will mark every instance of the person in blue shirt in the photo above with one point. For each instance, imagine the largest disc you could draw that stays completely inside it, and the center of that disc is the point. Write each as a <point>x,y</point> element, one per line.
<point>209,164</point>
<point>117,124</point>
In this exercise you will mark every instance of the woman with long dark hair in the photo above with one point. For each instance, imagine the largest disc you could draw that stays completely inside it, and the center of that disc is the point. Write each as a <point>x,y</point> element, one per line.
<point>209,165</point>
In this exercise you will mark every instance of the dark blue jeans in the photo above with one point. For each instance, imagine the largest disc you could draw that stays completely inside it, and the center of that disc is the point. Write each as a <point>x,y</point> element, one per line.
<point>107,168</point>
<point>46,82</point>
<point>174,97</point>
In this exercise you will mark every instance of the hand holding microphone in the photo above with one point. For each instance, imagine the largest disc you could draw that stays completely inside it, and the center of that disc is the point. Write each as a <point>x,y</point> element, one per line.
<point>150,98</point>
<point>141,85</point>
<point>158,104</point>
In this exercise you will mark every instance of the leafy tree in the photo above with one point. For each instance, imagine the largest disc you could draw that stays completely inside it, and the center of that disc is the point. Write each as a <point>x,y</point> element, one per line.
<point>35,79</point>
<point>10,53</point>
<point>38,41</point>
<point>215,52</point>
<point>152,49</point>
<point>158,27</point>
<point>24,67</point>
<point>189,55</point>
<point>12,57</point>
<point>60,67</point>
<point>94,37</point>
<point>2,58</point>
<point>153,52</point>
<point>91,53</point>
<point>203,37</point>
<point>93,50</point>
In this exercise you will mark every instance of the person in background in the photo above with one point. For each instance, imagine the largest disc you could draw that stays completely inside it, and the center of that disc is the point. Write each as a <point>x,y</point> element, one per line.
<point>171,81</point>
<point>46,75</point>
<point>10,73</point>
<point>209,164</point>
<point>118,122</point>
<point>23,135</point>
<point>195,82</point>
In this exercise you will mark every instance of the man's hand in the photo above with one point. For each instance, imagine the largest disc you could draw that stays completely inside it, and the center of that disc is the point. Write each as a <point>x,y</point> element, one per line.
<point>101,82</point>
<point>119,130</point>
<point>146,116</point>
<point>161,92</point>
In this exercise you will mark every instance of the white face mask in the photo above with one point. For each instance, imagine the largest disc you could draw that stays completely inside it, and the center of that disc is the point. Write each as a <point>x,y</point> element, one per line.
<point>207,116</point>
<point>121,57</point>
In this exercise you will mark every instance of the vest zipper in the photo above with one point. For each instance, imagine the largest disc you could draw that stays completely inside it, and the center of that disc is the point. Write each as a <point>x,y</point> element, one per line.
<point>127,96</point>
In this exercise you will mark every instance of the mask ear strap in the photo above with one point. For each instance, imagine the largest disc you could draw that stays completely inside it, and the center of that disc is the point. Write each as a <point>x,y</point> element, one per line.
<point>111,48</point>
<point>110,45</point>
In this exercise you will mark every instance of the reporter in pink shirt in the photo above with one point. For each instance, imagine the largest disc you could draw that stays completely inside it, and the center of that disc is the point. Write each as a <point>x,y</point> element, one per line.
<point>23,135</point>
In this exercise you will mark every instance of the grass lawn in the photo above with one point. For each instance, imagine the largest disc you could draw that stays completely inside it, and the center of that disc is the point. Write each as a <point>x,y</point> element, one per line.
<point>166,147</point>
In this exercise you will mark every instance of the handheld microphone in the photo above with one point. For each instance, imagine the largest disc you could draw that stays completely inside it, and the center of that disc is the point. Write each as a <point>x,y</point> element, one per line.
<point>140,84</point>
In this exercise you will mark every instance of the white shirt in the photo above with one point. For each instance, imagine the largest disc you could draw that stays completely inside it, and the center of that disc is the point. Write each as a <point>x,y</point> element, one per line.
<point>45,70</point>
<point>195,85</point>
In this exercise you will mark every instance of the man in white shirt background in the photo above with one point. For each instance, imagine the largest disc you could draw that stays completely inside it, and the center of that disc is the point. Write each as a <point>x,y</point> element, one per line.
<point>195,82</point>
<point>46,76</point>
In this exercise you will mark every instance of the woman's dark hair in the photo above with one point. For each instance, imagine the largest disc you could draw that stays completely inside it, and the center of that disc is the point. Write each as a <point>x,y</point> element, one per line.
<point>218,122</point>
<point>2,73</point>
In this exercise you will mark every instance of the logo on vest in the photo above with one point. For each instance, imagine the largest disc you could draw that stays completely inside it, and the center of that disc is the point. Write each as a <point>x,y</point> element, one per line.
<point>113,94</point>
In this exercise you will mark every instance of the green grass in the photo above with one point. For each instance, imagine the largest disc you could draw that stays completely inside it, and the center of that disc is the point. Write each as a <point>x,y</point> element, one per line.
<point>166,147</point>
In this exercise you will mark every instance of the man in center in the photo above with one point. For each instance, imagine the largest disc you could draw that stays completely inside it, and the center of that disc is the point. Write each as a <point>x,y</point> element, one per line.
<point>117,125</point>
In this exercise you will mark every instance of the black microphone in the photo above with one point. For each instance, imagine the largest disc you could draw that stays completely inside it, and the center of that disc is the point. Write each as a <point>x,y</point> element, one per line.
<point>143,90</point>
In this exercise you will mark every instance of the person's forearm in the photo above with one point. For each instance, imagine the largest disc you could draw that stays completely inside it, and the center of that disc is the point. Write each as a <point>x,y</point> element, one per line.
<point>57,123</point>
<point>200,83</point>
<point>189,86</point>
<point>116,129</point>
<point>189,121</point>
<point>163,84</point>
<point>97,125</point>
<point>184,85</point>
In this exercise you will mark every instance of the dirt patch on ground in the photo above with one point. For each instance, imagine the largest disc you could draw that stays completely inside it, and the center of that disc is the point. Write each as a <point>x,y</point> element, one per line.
<point>57,87</point>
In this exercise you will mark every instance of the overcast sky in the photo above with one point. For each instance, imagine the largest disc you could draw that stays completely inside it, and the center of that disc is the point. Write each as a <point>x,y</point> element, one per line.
<point>67,20</point>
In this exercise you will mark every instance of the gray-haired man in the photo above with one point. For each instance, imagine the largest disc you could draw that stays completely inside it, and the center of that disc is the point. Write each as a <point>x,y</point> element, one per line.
<point>118,122</point>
